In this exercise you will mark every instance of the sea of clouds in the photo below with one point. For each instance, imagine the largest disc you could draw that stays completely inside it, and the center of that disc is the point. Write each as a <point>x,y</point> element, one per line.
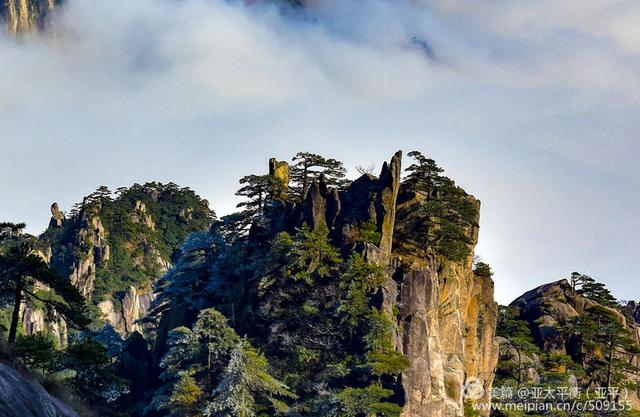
<point>531,106</point>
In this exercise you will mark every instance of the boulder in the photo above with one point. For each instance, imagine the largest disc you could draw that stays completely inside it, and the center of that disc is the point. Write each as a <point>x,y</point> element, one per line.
<point>21,396</point>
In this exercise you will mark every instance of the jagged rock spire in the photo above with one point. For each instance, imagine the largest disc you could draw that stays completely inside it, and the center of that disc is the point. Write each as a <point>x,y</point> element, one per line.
<point>57,217</point>
<point>280,170</point>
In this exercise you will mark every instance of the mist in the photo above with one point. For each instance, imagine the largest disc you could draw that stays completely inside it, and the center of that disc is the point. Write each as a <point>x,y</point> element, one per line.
<point>532,108</point>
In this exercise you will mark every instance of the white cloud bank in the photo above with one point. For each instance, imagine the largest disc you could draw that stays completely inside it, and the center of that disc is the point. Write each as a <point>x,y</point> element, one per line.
<point>532,106</point>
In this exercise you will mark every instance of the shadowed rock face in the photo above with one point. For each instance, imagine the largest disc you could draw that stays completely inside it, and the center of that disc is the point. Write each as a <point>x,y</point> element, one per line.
<point>22,397</point>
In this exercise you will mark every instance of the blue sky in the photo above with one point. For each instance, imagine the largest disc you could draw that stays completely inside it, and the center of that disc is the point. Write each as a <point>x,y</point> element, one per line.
<point>531,106</point>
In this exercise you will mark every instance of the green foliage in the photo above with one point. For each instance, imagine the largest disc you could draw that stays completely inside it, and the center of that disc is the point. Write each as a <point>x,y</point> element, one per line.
<point>369,232</point>
<point>483,269</point>
<point>470,410</point>
<point>368,402</point>
<point>144,226</point>
<point>23,272</point>
<point>94,379</point>
<point>601,335</point>
<point>10,230</point>
<point>37,351</point>
<point>518,339</point>
<point>313,255</point>
<point>308,167</point>
<point>317,323</point>
<point>387,363</point>
<point>358,283</point>
<point>296,283</point>
<point>595,291</point>
<point>183,284</point>
<point>448,211</point>
<point>560,363</point>
<point>259,191</point>
<point>211,371</point>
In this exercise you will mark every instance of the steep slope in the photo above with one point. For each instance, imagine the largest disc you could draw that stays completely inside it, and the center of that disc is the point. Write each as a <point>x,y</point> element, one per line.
<point>114,248</point>
<point>560,335</point>
<point>448,319</point>
<point>23,397</point>
<point>442,315</point>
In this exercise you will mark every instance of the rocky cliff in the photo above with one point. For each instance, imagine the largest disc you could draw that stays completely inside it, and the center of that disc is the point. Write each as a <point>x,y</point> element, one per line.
<point>551,306</point>
<point>444,315</point>
<point>448,322</point>
<point>114,248</point>
<point>25,15</point>
<point>447,315</point>
<point>577,338</point>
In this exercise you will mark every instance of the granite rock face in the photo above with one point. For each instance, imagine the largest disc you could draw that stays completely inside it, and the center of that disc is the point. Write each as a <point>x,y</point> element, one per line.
<point>91,239</point>
<point>447,314</point>
<point>23,397</point>
<point>548,308</point>
<point>280,170</point>
<point>114,246</point>
<point>447,326</point>
<point>22,16</point>
<point>123,316</point>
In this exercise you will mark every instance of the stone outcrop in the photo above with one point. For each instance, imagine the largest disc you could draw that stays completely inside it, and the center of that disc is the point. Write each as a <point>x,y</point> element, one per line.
<point>140,215</point>
<point>21,396</point>
<point>548,309</point>
<point>57,217</point>
<point>34,321</point>
<point>447,315</point>
<point>25,15</point>
<point>123,241</point>
<point>530,362</point>
<point>444,314</point>
<point>123,316</point>
<point>633,309</point>
<point>280,170</point>
<point>447,323</point>
<point>91,240</point>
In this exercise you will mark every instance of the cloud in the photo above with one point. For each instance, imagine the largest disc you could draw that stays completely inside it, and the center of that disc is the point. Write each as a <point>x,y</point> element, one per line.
<point>531,106</point>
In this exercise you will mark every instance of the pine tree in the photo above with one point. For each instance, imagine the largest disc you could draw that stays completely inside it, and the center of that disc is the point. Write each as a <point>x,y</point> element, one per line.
<point>577,280</point>
<point>259,191</point>
<point>10,230</point>
<point>424,174</point>
<point>602,337</point>
<point>596,291</point>
<point>94,380</point>
<point>308,167</point>
<point>448,211</point>
<point>211,371</point>
<point>243,380</point>
<point>21,270</point>
<point>37,351</point>
<point>185,283</point>
<point>517,338</point>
